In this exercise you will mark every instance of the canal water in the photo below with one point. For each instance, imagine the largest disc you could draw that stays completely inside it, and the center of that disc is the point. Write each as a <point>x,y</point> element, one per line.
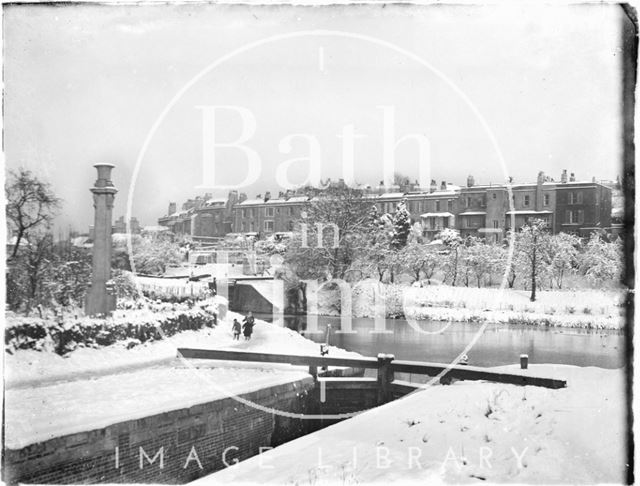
<point>442,342</point>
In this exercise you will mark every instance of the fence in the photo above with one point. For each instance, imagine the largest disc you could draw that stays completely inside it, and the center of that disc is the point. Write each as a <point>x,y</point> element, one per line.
<point>386,366</point>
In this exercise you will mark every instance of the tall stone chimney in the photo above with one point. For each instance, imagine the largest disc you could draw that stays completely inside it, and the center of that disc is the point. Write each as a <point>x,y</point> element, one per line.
<point>443,186</point>
<point>101,299</point>
<point>470,181</point>
<point>434,186</point>
<point>572,178</point>
<point>267,196</point>
<point>173,207</point>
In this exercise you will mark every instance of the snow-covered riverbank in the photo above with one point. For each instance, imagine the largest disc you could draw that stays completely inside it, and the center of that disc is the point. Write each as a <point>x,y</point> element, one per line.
<point>589,309</point>
<point>463,433</point>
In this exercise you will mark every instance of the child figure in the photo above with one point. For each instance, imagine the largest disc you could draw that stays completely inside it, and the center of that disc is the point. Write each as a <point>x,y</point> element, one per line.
<point>236,328</point>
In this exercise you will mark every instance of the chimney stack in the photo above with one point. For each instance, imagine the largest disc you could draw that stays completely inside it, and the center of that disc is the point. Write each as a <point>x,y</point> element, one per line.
<point>470,181</point>
<point>572,178</point>
<point>267,196</point>
<point>172,208</point>
<point>563,177</point>
<point>443,186</point>
<point>434,186</point>
<point>243,197</point>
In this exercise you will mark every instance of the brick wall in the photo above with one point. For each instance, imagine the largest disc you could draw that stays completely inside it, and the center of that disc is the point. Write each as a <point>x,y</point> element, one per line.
<point>114,454</point>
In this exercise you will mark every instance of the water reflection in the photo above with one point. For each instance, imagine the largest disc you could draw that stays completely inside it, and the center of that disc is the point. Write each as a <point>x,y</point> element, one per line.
<point>500,344</point>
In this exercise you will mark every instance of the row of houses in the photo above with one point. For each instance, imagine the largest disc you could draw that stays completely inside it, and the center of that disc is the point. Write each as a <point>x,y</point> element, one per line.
<point>479,210</point>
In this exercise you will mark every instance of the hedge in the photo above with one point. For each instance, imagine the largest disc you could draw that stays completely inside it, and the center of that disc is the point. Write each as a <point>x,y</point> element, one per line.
<point>133,328</point>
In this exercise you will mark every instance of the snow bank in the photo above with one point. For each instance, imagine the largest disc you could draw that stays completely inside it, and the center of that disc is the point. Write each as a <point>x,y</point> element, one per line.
<point>48,395</point>
<point>29,368</point>
<point>584,308</point>
<point>465,432</point>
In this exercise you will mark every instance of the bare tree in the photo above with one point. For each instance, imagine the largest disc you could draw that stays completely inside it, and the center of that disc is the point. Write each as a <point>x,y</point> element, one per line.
<point>338,218</point>
<point>31,204</point>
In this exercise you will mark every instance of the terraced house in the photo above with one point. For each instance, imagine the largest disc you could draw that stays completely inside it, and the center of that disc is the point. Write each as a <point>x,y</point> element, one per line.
<point>486,211</point>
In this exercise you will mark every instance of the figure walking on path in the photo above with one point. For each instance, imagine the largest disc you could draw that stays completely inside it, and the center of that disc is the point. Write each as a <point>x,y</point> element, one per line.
<point>213,286</point>
<point>236,330</point>
<point>247,327</point>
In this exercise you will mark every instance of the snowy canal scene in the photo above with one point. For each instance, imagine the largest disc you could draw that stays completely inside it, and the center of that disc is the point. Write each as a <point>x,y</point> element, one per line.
<point>318,243</point>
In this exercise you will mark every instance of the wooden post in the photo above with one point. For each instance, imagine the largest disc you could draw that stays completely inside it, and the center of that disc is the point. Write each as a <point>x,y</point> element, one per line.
<point>385,377</point>
<point>313,371</point>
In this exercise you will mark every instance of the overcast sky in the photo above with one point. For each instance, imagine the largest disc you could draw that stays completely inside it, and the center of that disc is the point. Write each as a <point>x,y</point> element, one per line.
<point>85,84</point>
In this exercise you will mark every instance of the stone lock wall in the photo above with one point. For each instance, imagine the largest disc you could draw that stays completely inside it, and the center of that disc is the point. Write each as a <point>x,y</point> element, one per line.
<point>173,447</point>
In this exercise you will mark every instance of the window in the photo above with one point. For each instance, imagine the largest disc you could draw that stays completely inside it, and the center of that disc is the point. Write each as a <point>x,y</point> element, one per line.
<point>244,213</point>
<point>473,221</point>
<point>290,211</point>
<point>468,201</point>
<point>574,216</point>
<point>268,225</point>
<point>484,200</point>
<point>437,206</point>
<point>495,223</point>
<point>546,199</point>
<point>252,226</point>
<point>575,197</point>
<point>449,205</point>
<point>244,226</point>
<point>494,195</point>
<point>269,212</point>
<point>526,200</point>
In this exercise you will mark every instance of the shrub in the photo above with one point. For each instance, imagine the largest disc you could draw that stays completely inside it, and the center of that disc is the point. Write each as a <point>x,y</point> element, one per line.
<point>63,337</point>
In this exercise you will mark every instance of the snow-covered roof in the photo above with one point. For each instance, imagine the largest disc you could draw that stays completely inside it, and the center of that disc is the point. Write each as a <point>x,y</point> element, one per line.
<point>529,212</point>
<point>444,214</point>
<point>214,201</point>
<point>391,195</point>
<point>446,192</point>
<point>473,213</point>
<point>298,199</point>
<point>155,229</point>
<point>292,200</point>
<point>251,202</point>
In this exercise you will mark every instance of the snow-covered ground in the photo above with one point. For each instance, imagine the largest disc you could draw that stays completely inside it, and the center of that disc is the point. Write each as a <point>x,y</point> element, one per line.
<point>599,309</point>
<point>466,432</point>
<point>48,395</point>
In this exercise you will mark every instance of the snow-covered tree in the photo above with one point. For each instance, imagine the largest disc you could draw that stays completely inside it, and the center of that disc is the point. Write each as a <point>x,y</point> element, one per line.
<point>533,246</point>
<point>602,260</point>
<point>564,251</point>
<point>343,214</point>
<point>452,241</point>
<point>152,256</point>
<point>401,226</point>
<point>419,259</point>
<point>479,259</point>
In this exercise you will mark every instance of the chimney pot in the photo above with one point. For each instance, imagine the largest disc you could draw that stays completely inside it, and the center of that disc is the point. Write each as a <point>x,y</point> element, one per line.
<point>470,181</point>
